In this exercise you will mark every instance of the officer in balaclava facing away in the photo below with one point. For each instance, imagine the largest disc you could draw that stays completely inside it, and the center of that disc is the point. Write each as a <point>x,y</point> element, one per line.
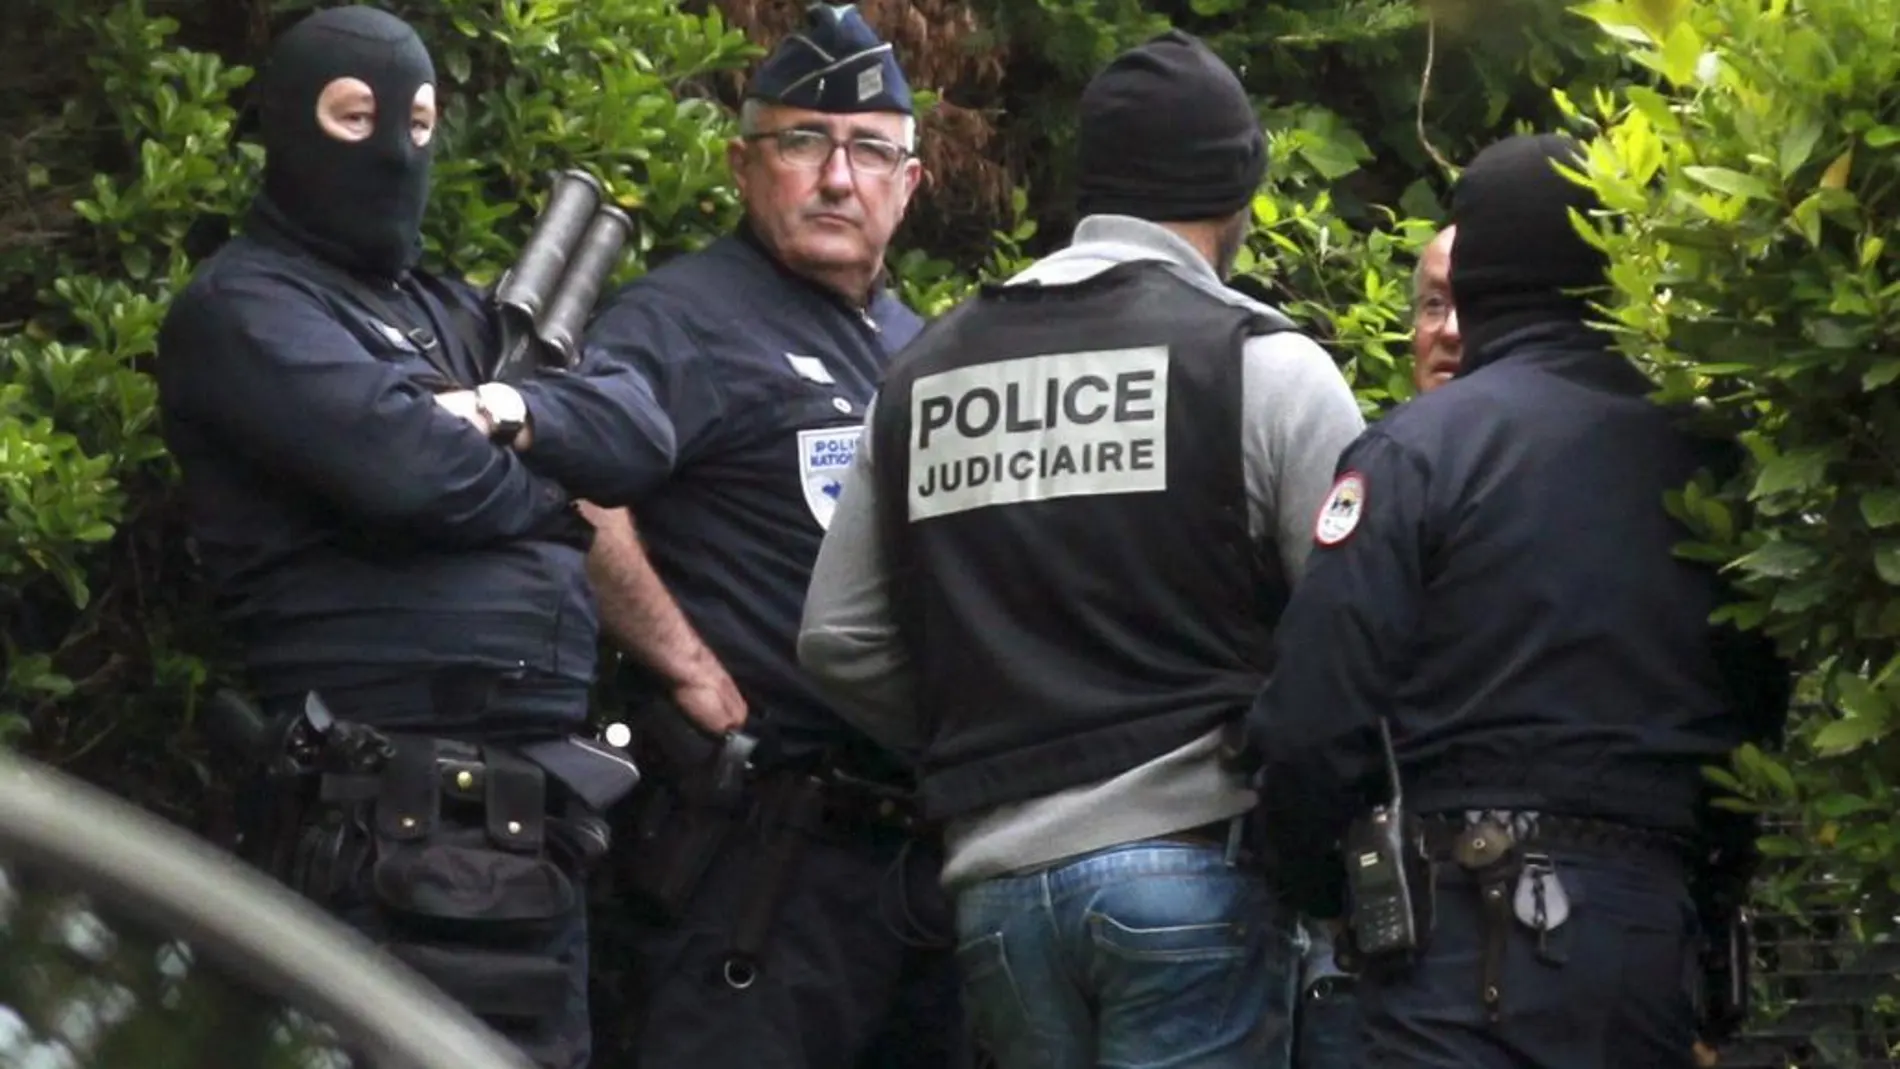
<point>1494,581</point>
<point>383,529</point>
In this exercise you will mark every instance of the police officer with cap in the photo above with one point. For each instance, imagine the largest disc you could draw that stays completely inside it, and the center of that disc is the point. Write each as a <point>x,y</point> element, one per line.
<point>386,530</point>
<point>1054,577</point>
<point>1493,577</point>
<point>789,940</point>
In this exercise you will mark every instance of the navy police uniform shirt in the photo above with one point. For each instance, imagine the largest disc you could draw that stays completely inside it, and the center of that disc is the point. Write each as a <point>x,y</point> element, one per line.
<point>766,377</point>
<point>1495,573</point>
<point>354,532</point>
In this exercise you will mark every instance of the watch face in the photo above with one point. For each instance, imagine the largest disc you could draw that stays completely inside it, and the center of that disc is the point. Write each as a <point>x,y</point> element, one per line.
<point>505,407</point>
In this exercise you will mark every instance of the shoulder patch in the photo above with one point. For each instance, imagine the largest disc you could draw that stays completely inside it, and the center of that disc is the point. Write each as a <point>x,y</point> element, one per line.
<point>824,454</point>
<point>1339,516</point>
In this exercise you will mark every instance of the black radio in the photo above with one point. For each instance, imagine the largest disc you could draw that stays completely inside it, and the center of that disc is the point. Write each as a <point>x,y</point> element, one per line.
<point>1387,875</point>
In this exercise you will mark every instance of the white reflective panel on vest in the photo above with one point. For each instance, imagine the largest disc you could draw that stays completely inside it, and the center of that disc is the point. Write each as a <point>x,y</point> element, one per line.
<point>1039,427</point>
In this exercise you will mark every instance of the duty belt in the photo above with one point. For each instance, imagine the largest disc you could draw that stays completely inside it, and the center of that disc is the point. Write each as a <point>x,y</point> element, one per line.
<point>1509,854</point>
<point>1445,834</point>
<point>850,805</point>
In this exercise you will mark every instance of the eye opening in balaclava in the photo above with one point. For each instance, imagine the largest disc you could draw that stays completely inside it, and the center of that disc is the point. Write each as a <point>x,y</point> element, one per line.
<point>347,110</point>
<point>357,203</point>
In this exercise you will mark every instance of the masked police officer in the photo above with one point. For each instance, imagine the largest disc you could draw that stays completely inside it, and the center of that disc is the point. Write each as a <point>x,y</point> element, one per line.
<point>1493,576</point>
<point>785,941</point>
<point>386,530</point>
<point>1054,575</point>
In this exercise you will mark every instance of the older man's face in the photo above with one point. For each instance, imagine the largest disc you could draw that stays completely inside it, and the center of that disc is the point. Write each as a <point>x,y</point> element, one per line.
<point>826,191</point>
<point>1437,347</point>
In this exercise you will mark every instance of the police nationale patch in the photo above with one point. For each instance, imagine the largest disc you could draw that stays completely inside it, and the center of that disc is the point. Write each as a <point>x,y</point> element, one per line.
<point>823,457</point>
<point>1339,516</point>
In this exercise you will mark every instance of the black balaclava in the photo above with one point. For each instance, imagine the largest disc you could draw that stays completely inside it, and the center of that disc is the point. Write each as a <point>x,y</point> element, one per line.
<point>1519,261</point>
<point>1168,134</point>
<point>357,204</point>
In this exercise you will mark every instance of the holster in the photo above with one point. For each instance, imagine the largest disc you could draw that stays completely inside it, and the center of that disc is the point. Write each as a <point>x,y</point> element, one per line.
<point>672,845</point>
<point>682,819</point>
<point>791,810</point>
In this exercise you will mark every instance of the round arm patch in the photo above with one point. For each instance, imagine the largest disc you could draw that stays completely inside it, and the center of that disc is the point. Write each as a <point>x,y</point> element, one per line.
<point>1339,515</point>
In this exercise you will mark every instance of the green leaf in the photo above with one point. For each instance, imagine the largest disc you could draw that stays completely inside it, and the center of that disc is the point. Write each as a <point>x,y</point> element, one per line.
<point>1682,50</point>
<point>1845,736</point>
<point>1750,759</point>
<point>1614,18</point>
<point>1881,507</point>
<point>1797,143</point>
<point>1880,374</point>
<point>1881,136</point>
<point>1806,218</point>
<point>1662,18</point>
<point>1887,563</point>
<point>1857,698</point>
<point>1802,469</point>
<point>1835,177</point>
<point>1779,559</point>
<point>1836,806</point>
<point>1732,182</point>
<point>1330,158</point>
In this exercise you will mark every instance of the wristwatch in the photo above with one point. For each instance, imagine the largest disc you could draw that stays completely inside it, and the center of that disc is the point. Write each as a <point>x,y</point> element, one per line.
<point>501,405</point>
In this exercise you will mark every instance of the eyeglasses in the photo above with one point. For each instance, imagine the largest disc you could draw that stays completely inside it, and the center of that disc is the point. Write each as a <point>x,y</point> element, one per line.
<point>1432,310</point>
<point>812,149</point>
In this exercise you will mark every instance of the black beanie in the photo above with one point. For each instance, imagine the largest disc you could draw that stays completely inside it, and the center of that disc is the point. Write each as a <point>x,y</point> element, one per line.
<point>1518,258</point>
<point>1168,134</point>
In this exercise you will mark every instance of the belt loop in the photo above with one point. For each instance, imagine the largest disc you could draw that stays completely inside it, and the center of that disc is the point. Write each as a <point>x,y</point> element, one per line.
<point>1236,827</point>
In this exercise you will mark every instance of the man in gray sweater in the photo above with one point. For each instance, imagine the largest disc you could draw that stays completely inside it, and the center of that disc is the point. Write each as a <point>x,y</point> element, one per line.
<point>1052,578</point>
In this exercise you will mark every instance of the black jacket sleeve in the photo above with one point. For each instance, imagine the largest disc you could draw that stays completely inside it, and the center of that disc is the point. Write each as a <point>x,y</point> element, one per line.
<point>1343,644</point>
<point>598,431</point>
<point>648,332</point>
<point>270,371</point>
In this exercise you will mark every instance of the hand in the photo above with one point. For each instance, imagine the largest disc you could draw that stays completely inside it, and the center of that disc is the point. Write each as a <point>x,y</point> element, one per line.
<point>1705,1055</point>
<point>713,702</point>
<point>464,405</point>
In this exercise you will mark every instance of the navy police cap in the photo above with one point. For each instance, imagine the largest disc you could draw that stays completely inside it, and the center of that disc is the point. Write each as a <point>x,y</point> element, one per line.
<point>836,65</point>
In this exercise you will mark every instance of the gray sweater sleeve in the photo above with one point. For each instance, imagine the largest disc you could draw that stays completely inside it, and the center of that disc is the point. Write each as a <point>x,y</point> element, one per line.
<point>1298,417</point>
<point>848,641</point>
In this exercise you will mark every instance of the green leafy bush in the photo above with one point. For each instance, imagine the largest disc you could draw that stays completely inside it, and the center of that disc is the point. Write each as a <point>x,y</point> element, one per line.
<point>1753,196</point>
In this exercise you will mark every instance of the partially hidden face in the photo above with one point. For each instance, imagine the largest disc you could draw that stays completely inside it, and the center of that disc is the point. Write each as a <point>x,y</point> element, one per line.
<point>1437,347</point>
<point>347,102</point>
<point>826,191</point>
<point>347,109</point>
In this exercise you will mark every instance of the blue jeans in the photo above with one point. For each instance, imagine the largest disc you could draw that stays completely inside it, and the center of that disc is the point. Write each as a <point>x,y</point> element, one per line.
<point>1151,955</point>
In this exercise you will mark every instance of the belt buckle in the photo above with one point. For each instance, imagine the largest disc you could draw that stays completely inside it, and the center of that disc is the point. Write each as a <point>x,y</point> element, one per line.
<point>1482,845</point>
